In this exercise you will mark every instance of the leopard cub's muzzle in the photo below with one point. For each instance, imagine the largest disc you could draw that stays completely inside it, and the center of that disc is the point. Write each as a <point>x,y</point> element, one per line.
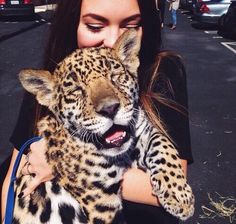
<point>118,138</point>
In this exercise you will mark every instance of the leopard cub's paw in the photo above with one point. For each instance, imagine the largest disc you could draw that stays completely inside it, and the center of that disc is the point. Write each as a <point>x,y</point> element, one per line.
<point>174,194</point>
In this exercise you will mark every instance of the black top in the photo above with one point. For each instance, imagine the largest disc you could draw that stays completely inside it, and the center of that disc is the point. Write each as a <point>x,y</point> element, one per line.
<point>178,127</point>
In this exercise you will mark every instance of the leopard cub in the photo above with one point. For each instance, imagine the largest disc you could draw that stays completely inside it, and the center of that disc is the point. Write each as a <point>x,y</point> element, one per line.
<point>97,129</point>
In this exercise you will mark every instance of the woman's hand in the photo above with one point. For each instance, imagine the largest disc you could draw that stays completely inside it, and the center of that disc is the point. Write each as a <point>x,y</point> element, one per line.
<point>36,164</point>
<point>136,186</point>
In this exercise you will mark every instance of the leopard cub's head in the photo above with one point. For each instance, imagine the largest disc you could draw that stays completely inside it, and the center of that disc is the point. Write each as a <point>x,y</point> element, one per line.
<point>93,92</point>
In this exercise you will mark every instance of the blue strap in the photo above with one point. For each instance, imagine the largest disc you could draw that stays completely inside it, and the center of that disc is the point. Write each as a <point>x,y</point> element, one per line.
<point>11,194</point>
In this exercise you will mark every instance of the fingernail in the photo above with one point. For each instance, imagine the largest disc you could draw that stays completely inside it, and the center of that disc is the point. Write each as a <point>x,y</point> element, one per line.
<point>20,195</point>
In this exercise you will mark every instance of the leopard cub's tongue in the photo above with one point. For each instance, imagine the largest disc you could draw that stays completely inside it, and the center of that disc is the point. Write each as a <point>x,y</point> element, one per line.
<point>115,137</point>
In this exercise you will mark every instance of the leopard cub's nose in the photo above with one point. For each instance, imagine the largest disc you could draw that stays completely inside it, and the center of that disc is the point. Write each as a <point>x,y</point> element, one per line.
<point>109,109</point>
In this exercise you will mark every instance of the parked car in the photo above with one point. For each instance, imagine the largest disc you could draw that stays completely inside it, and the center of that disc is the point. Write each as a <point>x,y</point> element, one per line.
<point>209,11</point>
<point>16,8</point>
<point>186,4</point>
<point>227,22</point>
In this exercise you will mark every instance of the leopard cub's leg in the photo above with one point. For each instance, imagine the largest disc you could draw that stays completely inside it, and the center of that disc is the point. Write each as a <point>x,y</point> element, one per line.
<point>161,159</point>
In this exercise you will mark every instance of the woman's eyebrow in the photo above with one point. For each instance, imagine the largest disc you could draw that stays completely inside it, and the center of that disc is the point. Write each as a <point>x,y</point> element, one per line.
<point>131,18</point>
<point>103,19</point>
<point>95,16</point>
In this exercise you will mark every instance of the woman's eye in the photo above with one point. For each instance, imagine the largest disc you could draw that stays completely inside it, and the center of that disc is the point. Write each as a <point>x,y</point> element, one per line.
<point>94,27</point>
<point>133,26</point>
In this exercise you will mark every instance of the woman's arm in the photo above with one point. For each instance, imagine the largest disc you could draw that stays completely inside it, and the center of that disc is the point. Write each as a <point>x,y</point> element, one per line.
<point>136,184</point>
<point>6,182</point>
<point>137,187</point>
<point>38,166</point>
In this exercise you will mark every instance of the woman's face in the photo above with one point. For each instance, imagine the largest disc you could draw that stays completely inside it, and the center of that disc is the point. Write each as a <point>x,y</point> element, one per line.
<point>102,22</point>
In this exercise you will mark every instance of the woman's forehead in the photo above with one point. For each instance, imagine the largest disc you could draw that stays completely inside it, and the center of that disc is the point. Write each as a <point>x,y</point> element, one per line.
<point>110,8</point>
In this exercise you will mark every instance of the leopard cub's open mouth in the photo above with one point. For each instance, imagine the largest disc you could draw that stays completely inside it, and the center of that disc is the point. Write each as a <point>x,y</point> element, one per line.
<point>116,136</point>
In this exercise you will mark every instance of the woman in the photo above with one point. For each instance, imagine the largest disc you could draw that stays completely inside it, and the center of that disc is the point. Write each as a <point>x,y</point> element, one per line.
<point>161,5</point>
<point>174,6</point>
<point>79,24</point>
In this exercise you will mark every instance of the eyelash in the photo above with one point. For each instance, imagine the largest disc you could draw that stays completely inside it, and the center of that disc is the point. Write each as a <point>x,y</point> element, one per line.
<point>96,29</point>
<point>135,26</point>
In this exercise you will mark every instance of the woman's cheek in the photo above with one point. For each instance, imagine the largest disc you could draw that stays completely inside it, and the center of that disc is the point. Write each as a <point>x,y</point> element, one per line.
<point>88,39</point>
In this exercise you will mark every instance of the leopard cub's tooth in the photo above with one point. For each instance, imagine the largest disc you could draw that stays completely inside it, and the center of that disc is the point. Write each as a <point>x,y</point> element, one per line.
<point>107,141</point>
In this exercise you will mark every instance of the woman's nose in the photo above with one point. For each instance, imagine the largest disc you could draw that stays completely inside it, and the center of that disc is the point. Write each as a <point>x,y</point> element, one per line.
<point>111,37</point>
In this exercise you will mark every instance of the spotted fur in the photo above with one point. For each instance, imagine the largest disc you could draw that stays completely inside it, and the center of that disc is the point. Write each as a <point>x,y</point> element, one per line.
<point>96,132</point>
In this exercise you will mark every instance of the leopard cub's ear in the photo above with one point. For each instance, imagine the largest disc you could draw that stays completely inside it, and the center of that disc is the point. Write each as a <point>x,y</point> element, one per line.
<point>127,49</point>
<point>40,83</point>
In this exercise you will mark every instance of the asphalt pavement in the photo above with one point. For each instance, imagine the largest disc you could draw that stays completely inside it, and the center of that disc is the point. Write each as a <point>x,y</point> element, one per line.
<point>211,76</point>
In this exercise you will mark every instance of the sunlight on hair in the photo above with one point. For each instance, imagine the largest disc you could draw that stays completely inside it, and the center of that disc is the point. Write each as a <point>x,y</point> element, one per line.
<point>224,207</point>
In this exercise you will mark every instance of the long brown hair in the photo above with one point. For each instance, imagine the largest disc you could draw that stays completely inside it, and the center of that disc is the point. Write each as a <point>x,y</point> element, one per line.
<point>63,41</point>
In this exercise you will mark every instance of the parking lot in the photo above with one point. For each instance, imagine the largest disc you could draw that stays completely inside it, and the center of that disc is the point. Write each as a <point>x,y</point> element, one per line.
<point>211,76</point>
<point>211,73</point>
